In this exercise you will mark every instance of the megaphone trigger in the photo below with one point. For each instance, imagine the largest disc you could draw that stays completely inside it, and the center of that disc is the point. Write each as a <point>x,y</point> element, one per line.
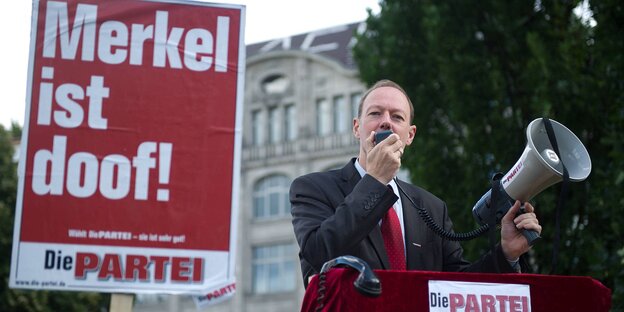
<point>495,204</point>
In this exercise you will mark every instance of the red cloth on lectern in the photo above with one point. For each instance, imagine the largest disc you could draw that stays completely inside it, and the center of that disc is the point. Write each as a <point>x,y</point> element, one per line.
<point>393,240</point>
<point>408,291</point>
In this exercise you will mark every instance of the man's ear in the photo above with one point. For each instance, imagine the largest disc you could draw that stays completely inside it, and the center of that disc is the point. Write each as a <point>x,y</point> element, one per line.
<point>412,134</point>
<point>356,128</point>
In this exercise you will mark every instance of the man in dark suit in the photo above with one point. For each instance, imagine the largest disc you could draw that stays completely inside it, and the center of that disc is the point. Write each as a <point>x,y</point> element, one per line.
<point>351,211</point>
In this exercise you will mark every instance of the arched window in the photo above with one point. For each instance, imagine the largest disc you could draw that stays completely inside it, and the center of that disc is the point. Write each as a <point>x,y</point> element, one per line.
<point>270,198</point>
<point>275,84</point>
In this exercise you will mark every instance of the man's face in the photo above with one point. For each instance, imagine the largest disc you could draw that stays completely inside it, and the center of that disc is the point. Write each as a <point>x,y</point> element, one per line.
<point>385,108</point>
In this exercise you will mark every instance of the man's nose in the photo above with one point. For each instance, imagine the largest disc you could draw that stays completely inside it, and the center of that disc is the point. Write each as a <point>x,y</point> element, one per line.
<point>385,123</point>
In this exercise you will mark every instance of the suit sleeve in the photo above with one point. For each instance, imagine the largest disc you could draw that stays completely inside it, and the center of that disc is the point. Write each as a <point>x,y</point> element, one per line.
<point>328,223</point>
<point>491,262</point>
<point>447,255</point>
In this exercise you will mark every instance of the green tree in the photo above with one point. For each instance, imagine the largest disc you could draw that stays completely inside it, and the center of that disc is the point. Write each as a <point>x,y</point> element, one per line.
<point>478,72</point>
<point>29,300</point>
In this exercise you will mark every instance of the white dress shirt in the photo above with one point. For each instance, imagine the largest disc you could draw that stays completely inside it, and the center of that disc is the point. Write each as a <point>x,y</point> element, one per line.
<point>398,207</point>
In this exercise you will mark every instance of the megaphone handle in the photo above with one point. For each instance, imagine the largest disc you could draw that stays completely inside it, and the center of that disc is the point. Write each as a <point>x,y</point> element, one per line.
<point>531,235</point>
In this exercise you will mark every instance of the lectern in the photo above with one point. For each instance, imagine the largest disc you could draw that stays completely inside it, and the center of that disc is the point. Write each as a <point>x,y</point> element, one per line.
<point>413,291</point>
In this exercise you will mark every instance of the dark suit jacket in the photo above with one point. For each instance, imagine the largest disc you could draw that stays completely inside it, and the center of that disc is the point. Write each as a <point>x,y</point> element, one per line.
<point>337,213</point>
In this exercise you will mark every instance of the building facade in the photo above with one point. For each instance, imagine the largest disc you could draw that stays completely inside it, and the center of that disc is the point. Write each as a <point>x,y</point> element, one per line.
<point>301,94</point>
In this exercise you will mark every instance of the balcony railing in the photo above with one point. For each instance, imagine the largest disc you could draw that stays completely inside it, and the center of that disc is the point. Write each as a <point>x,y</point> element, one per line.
<point>327,145</point>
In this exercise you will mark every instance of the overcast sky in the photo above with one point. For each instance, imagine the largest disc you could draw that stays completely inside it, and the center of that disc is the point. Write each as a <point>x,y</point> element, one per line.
<point>265,20</point>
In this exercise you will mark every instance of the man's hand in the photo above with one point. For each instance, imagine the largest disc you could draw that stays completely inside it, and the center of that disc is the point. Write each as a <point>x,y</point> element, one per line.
<point>383,160</point>
<point>514,244</point>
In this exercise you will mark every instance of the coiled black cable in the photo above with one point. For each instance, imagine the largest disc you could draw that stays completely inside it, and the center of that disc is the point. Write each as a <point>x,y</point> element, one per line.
<point>320,300</point>
<point>436,228</point>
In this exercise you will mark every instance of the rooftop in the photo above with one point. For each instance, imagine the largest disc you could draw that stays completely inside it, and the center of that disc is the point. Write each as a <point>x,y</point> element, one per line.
<point>334,43</point>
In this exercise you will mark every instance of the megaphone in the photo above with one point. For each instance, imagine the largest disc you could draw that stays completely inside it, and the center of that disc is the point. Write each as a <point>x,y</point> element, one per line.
<point>538,168</point>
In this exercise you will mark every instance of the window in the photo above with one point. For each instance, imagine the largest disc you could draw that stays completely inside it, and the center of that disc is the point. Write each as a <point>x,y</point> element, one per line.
<point>323,117</point>
<point>290,122</point>
<point>274,125</point>
<point>355,104</point>
<point>256,127</point>
<point>341,111</point>
<point>274,84</point>
<point>273,269</point>
<point>270,198</point>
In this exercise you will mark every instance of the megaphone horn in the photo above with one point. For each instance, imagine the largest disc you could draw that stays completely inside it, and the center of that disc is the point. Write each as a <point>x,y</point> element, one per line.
<point>538,168</point>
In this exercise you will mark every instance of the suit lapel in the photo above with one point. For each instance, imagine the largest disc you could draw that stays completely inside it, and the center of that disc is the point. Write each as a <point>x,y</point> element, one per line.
<point>376,241</point>
<point>415,231</point>
<point>351,177</point>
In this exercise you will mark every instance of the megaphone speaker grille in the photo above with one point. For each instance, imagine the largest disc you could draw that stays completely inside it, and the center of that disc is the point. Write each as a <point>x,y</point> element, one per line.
<point>572,152</point>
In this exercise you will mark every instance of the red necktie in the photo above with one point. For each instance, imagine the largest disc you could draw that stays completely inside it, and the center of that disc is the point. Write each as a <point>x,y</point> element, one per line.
<point>393,240</point>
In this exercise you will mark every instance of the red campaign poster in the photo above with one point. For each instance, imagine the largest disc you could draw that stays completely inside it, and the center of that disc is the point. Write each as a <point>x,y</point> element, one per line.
<point>131,147</point>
